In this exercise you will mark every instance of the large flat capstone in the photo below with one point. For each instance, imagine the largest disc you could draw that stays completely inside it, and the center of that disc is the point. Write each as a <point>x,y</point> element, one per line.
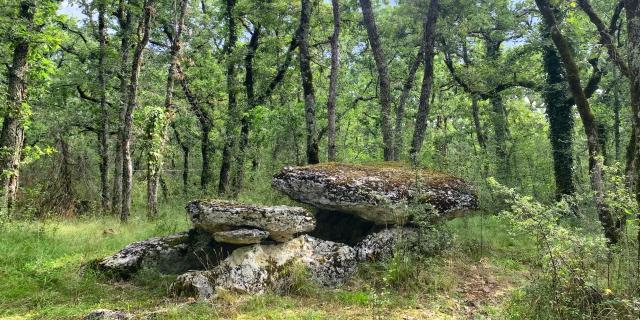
<point>382,194</point>
<point>280,222</point>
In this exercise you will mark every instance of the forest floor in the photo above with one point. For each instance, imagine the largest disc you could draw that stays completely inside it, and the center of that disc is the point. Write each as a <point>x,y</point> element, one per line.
<point>41,267</point>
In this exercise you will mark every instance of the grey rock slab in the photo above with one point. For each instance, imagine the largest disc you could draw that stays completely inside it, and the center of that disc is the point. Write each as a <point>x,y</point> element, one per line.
<point>256,268</point>
<point>241,236</point>
<point>282,222</point>
<point>173,254</point>
<point>385,194</point>
<point>105,314</point>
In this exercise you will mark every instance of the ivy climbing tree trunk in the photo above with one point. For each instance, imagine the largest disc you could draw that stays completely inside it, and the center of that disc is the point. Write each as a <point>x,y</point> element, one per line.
<point>588,121</point>
<point>127,125</point>
<point>333,82</point>
<point>307,84</point>
<point>12,134</point>
<point>559,111</point>
<point>231,125</point>
<point>159,131</point>
<point>632,8</point>
<point>383,78</point>
<point>427,81</point>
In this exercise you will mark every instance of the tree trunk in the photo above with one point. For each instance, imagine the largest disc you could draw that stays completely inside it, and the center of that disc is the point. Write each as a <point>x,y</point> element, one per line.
<point>154,157</point>
<point>333,83</point>
<point>245,125</point>
<point>12,135</point>
<point>383,78</point>
<point>475,114</point>
<point>400,109</point>
<point>103,132</point>
<point>499,119</point>
<point>127,169</point>
<point>559,111</point>
<point>205,126</point>
<point>205,152</point>
<point>427,81</point>
<point>185,160</point>
<point>586,115</point>
<point>231,126</point>
<point>632,8</point>
<point>124,20</point>
<point>307,84</point>
<point>616,119</point>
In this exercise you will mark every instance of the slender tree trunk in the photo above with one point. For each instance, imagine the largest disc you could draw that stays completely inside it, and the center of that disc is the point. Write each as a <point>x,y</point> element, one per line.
<point>245,125</point>
<point>185,159</point>
<point>205,152</point>
<point>616,119</point>
<point>307,84</point>
<point>205,126</point>
<point>475,114</point>
<point>154,157</point>
<point>588,121</point>
<point>231,126</point>
<point>559,111</point>
<point>400,109</point>
<point>333,82</point>
<point>383,78</point>
<point>12,134</point>
<point>427,81</point>
<point>124,20</point>
<point>127,169</point>
<point>632,8</point>
<point>103,133</point>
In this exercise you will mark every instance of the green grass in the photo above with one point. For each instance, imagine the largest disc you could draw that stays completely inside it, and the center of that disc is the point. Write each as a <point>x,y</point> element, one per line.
<point>41,266</point>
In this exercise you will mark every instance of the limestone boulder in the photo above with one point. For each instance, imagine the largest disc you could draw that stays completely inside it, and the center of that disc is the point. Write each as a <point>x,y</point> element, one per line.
<point>256,268</point>
<point>173,254</point>
<point>105,314</point>
<point>281,222</point>
<point>381,194</point>
<point>381,245</point>
<point>241,236</point>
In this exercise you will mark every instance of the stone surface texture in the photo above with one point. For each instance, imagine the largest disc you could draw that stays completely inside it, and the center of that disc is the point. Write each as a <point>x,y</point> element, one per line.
<point>382,194</point>
<point>241,236</point>
<point>381,245</point>
<point>282,222</point>
<point>256,268</point>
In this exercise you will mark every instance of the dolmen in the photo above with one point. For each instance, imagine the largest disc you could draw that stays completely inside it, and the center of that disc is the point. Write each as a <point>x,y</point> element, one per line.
<point>353,213</point>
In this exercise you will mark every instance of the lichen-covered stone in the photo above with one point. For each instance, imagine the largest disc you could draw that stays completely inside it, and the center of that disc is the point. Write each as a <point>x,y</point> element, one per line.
<point>282,222</point>
<point>241,236</point>
<point>381,245</point>
<point>105,314</point>
<point>382,194</point>
<point>256,268</point>
<point>173,254</point>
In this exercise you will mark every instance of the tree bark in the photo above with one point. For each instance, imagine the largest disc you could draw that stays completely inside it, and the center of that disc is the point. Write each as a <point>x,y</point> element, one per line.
<point>560,115</point>
<point>154,157</point>
<point>400,108</point>
<point>427,81</point>
<point>475,114</point>
<point>307,84</point>
<point>586,115</point>
<point>231,125</point>
<point>245,124</point>
<point>12,135</point>
<point>632,9</point>
<point>333,83</point>
<point>124,21</point>
<point>127,169</point>
<point>184,146</point>
<point>383,78</point>
<point>103,133</point>
<point>206,124</point>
